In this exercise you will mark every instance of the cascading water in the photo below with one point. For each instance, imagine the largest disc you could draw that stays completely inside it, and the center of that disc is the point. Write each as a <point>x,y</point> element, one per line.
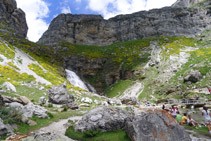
<point>75,80</point>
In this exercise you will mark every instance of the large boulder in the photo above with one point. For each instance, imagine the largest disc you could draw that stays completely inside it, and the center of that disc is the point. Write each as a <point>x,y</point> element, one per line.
<point>104,119</point>
<point>9,86</point>
<point>193,77</point>
<point>30,110</point>
<point>58,95</point>
<point>5,129</point>
<point>24,100</point>
<point>48,136</point>
<point>156,125</point>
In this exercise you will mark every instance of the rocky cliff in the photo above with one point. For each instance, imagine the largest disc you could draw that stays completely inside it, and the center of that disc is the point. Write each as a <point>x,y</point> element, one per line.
<point>12,19</point>
<point>186,3</point>
<point>94,30</point>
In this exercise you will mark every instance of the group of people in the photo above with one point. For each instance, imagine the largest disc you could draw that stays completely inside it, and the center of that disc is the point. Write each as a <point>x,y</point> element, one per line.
<point>187,119</point>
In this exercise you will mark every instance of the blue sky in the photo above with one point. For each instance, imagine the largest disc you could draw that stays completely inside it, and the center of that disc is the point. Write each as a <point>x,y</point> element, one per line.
<point>39,13</point>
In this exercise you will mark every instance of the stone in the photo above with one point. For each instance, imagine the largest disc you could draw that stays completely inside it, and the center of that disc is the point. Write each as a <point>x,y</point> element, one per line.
<point>30,110</point>
<point>96,102</point>
<point>47,136</point>
<point>155,125</point>
<point>72,105</point>
<point>1,100</point>
<point>9,86</point>
<point>31,123</point>
<point>16,137</point>
<point>24,119</point>
<point>193,77</point>
<point>13,17</point>
<point>86,100</point>
<point>5,129</point>
<point>104,119</point>
<point>16,105</point>
<point>170,90</point>
<point>58,95</point>
<point>42,100</point>
<point>129,100</point>
<point>24,100</point>
<point>84,105</point>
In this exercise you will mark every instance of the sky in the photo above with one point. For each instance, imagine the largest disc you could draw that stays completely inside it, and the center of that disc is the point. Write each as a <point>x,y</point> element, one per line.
<point>39,13</point>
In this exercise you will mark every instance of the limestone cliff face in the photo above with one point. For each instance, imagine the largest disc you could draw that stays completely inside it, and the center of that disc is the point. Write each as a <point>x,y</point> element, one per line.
<point>185,3</point>
<point>94,30</point>
<point>13,17</point>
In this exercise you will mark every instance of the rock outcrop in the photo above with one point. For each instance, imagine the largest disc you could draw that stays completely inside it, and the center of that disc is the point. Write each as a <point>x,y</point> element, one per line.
<point>193,77</point>
<point>9,86</point>
<point>94,30</point>
<point>58,95</point>
<point>1,101</point>
<point>12,18</point>
<point>104,119</point>
<point>158,125</point>
<point>185,3</point>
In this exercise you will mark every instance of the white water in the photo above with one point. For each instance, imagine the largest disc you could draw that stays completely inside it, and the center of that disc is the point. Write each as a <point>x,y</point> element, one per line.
<point>75,80</point>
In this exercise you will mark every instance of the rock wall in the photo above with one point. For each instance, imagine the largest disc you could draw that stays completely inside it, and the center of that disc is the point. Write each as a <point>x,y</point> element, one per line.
<point>13,17</point>
<point>94,30</point>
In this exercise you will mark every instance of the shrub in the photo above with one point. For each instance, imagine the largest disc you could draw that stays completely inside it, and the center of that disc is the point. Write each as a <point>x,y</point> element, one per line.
<point>50,115</point>
<point>10,115</point>
<point>91,133</point>
<point>50,105</point>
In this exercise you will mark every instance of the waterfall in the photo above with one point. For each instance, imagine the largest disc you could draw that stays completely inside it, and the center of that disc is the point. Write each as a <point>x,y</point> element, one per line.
<point>75,80</point>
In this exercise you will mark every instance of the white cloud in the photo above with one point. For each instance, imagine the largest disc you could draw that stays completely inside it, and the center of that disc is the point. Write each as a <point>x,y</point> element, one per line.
<point>35,11</point>
<point>65,10</point>
<point>78,1</point>
<point>110,8</point>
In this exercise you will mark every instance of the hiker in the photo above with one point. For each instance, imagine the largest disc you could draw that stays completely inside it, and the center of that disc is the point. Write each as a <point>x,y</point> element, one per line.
<point>174,111</point>
<point>210,91</point>
<point>163,107</point>
<point>207,118</point>
<point>179,117</point>
<point>192,122</point>
<point>184,119</point>
<point>197,97</point>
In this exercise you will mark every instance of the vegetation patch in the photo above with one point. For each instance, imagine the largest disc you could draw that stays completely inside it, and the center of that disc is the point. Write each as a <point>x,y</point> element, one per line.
<point>91,135</point>
<point>6,51</point>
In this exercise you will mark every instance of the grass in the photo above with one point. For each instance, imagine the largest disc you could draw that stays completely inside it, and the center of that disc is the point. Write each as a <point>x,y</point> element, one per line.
<point>117,135</point>
<point>118,88</point>
<point>202,130</point>
<point>32,93</point>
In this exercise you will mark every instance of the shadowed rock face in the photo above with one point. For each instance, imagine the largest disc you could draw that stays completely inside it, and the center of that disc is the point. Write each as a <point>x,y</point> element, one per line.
<point>13,17</point>
<point>157,125</point>
<point>94,30</point>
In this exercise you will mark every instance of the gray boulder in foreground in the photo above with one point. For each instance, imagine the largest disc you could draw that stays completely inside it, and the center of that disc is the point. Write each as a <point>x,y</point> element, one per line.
<point>58,95</point>
<point>156,126</point>
<point>104,119</point>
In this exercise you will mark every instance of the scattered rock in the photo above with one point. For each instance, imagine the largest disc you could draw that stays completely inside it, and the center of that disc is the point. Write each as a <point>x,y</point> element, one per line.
<point>31,123</point>
<point>5,129</point>
<point>129,100</point>
<point>104,119</point>
<point>170,90</point>
<point>1,101</point>
<point>30,110</point>
<point>9,86</point>
<point>47,137</point>
<point>193,77</point>
<point>16,137</point>
<point>155,125</point>
<point>84,105</point>
<point>86,100</point>
<point>24,100</point>
<point>42,100</point>
<point>58,95</point>
<point>72,105</point>
<point>96,102</point>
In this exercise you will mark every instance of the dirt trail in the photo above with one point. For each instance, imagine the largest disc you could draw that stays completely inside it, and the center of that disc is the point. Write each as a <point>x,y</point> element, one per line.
<point>58,127</point>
